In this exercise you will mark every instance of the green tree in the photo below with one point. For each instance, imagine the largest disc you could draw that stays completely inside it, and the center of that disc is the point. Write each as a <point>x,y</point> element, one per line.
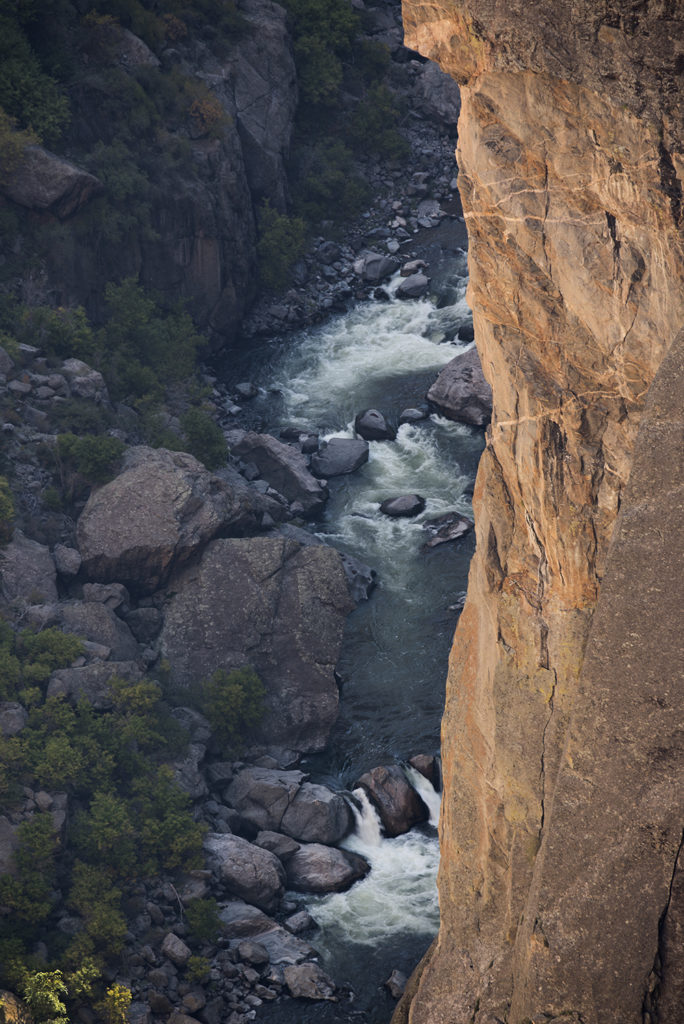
<point>204,438</point>
<point>234,704</point>
<point>29,894</point>
<point>6,511</point>
<point>282,241</point>
<point>44,992</point>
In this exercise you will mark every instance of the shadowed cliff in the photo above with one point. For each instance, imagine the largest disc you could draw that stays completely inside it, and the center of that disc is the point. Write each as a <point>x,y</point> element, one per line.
<point>562,819</point>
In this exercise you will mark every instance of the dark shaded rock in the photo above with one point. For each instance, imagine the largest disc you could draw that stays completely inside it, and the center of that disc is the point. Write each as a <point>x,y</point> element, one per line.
<point>282,846</point>
<point>413,287</point>
<point>67,560</point>
<point>461,392</point>
<point>445,528</point>
<point>300,922</point>
<point>374,267</point>
<point>339,456</point>
<point>398,804</point>
<point>309,981</point>
<point>262,795</point>
<point>371,425</point>
<point>413,415</point>
<point>94,621</point>
<point>285,469</point>
<point>317,815</point>
<point>254,874</point>
<point>13,717</point>
<point>27,572</point>
<point>144,624</point>
<point>405,505</point>
<point>161,508</point>
<point>241,919</point>
<point>246,390</point>
<point>276,605</point>
<point>318,868</point>
<point>113,595</point>
<point>413,267</point>
<point>436,95</point>
<point>360,577</point>
<point>430,767</point>
<point>251,952</point>
<point>176,950</point>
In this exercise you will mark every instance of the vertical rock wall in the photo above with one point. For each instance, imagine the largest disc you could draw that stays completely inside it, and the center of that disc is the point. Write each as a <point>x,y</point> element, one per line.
<point>562,816</point>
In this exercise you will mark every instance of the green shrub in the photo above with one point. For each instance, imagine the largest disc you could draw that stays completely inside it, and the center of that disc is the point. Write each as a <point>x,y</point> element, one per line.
<point>13,143</point>
<point>204,438</point>
<point>63,332</point>
<point>44,992</point>
<point>29,894</point>
<point>327,185</point>
<point>6,511</point>
<point>374,125</point>
<point>114,1007</point>
<point>93,458</point>
<point>234,704</point>
<point>197,969</point>
<point>282,241</point>
<point>203,919</point>
<point>27,93</point>
<point>323,32</point>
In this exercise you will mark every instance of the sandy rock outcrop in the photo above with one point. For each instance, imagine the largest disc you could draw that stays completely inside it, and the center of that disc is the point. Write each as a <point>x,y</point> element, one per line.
<point>571,161</point>
<point>273,604</point>
<point>161,508</point>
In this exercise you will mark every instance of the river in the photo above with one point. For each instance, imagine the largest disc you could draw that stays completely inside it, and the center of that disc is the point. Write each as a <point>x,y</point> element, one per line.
<point>393,665</point>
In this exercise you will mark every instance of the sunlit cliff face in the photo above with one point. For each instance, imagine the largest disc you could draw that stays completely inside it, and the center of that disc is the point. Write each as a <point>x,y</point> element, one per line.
<point>570,168</point>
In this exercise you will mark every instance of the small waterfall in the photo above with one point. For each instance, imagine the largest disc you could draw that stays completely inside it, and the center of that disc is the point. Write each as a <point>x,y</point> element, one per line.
<point>368,833</point>
<point>426,791</point>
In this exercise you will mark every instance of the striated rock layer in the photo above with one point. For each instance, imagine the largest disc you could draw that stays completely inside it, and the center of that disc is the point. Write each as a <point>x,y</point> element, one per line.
<point>562,742</point>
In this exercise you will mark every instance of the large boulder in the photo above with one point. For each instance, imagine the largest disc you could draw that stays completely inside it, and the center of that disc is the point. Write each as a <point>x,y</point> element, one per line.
<point>273,604</point>
<point>404,506</point>
<point>371,425</point>
<point>46,182</point>
<point>285,469</point>
<point>317,815</point>
<point>93,621</point>
<point>461,391</point>
<point>309,981</point>
<point>240,920</point>
<point>91,682</point>
<point>254,874</point>
<point>397,803</point>
<point>373,267</point>
<point>413,287</point>
<point>447,527</point>
<point>318,868</point>
<point>339,456</point>
<point>27,572</point>
<point>437,95</point>
<point>159,511</point>
<point>280,801</point>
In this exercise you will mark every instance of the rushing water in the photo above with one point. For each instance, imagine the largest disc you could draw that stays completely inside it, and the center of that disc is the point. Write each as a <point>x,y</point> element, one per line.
<point>393,664</point>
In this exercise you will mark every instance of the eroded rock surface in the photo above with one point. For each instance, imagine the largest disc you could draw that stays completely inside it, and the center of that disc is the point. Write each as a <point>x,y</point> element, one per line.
<point>571,161</point>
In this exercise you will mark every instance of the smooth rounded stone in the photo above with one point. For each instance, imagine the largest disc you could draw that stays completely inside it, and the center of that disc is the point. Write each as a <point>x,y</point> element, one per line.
<point>466,333</point>
<point>318,868</point>
<point>397,803</point>
<point>393,246</point>
<point>13,717</point>
<point>371,425</point>
<point>413,287</point>
<point>27,572</point>
<point>413,415</point>
<point>67,560</point>
<point>461,391</point>
<point>374,267</point>
<point>240,919</point>
<point>413,267</point>
<point>448,527</point>
<point>317,815</point>
<point>300,922</point>
<point>91,682</point>
<point>403,506</point>
<point>339,456</point>
<point>251,952</point>
<point>262,795</point>
<point>430,767</point>
<point>254,874</point>
<point>308,444</point>
<point>159,1002</point>
<point>175,949</point>
<point>282,846</point>
<point>246,390</point>
<point>309,981</point>
<point>285,469</point>
<point>395,984</point>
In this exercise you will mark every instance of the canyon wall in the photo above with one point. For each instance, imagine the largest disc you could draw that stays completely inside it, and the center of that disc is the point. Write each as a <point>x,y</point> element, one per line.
<point>562,741</point>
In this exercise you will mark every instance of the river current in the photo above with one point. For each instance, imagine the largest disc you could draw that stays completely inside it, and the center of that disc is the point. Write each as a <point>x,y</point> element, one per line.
<point>381,355</point>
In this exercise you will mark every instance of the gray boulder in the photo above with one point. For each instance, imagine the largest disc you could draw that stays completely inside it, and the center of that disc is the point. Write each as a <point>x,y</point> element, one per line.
<point>285,469</point>
<point>404,506</point>
<point>461,391</point>
<point>262,795</point>
<point>175,949</point>
<point>413,415</point>
<point>67,560</point>
<point>374,267</point>
<point>254,874</point>
<point>371,425</point>
<point>309,981</point>
<point>13,717</point>
<point>317,815</point>
<point>44,181</point>
<point>162,508</point>
<point>273,604</point>
<point>27,572</point>
<point>437,95</point>
<point>317,868</point>
<point>282,846</point>
<point>397,803</point>
<point>113,595</point>
<point>94,621</point>
<point>445,528</point>
<point>339,456</point>
<point>413,287</point>
<point>91,682</point>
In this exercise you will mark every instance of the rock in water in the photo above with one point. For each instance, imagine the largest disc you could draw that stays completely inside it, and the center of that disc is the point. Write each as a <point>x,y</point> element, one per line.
<point>461,392</point>
<point>413,287</point>
<point>318,868</point>
<point>285,469</point>
<point>450,526</point>
<point>404,506</point>
<point>398,804</point>
<point>309,981</point>
<point>339,456</point>
<point>371,425</point>
<point>271,603</point>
